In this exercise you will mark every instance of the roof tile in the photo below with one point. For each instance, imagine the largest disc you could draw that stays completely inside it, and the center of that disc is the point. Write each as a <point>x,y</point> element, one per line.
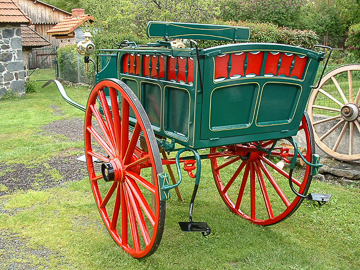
<point>30,38</point>
<point>69,25</point>
<point>11,13</point>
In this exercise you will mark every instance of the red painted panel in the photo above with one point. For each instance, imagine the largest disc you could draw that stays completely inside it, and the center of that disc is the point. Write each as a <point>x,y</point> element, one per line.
<point>272,63</point>
<point>286,62</point>
<point>221,66</point>
<point>190,78</point>
<point>182,65</point>
<point>254,63</point>
<point>298,70</point>
<point>146,63</point>
<point>138,64</point>
<point>132,62</point>
<point>125,61</point>
<point>153,66</point>
<point>237,64</point>
<point>171,68</point>
<point>161,67</point>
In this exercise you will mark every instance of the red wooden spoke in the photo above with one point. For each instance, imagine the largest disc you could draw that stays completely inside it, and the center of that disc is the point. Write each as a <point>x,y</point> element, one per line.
<point>149,186</point>
<point>242,188</point>
<point>237,172</point>
<point>109,194</point>
<point>139,216</point>
<point>132,221</point>
<point>100,140</point>
<point>96,178</point>
<point>274,184</point>
<point>284,173</point>
<point>118,201</point>
<point>138,162</point>
<point>98,156</point>
<point>124,219</point>
<point>142,201</point>
<point>103,126</point>
<point>264,190</point>
<point>124,127</point>
<point>108,116</point>
<point>132,144</point>
<point>116,116</point>
<point>228,163</point>
<point>252,191</point>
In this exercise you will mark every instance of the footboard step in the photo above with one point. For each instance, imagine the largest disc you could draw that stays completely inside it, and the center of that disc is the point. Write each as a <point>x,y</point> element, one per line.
<point>318,197</point>
<point>202,227</point>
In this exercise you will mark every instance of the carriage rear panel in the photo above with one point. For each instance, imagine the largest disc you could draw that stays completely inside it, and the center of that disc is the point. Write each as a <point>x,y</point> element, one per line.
<point>250,91</point>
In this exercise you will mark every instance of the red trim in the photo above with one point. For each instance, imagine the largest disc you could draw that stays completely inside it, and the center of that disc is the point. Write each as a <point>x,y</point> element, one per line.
<point>298,70</point>
<point>146,62</point>
<point>125,61</point>
<point>171,68</point>
<point>221,66</point>
<point>237,67</point>
<point>272,63</point>
<point>286,62</point>
<point>182,65</point>
<point>254,63</point>
<point>190,78</point>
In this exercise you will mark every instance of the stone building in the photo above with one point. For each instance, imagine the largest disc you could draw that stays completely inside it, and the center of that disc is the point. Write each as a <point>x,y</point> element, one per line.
<point>12,74</point>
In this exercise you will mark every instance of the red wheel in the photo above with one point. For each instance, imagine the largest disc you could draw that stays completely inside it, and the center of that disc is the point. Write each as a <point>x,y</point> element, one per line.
<point>122,174</point>
<point>255,184</point>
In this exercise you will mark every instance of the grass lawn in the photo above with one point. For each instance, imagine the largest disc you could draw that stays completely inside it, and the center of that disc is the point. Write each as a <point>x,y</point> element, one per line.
<point>60,227</point>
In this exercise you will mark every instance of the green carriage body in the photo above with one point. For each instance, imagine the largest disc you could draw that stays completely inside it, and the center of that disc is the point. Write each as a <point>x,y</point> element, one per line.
<point>251,91</point>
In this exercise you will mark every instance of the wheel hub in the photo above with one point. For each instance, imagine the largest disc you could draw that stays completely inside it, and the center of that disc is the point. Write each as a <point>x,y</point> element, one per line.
<point>112,171</point>
<point>350,112</point>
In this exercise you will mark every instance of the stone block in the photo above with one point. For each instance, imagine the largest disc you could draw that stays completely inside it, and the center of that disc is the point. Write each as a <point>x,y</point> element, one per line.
<point>2,68</point>
<point>8,33</point>
<point>16,66</point>
<point>19,55</point>
<point>18,86</point>
<point>18,32</point>
<point>5,47</point>
<point>8,77</point>
<point>5,57</point>
<point>21,75</point>
<point>16,43</point>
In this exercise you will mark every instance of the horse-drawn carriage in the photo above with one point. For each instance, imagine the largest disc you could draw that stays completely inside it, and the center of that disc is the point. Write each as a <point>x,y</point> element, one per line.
<point>240,105</point>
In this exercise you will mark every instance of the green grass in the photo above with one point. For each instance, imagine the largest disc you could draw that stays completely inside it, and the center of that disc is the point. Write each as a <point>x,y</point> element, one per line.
<point>64,222</point>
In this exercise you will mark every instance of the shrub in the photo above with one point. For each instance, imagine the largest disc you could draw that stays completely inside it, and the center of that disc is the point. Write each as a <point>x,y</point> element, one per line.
<point>30,87</point>
<point>353,41</point>
<point>271,33</point>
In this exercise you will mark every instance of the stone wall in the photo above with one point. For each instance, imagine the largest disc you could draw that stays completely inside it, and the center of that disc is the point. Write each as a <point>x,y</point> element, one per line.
<point>12,74</point>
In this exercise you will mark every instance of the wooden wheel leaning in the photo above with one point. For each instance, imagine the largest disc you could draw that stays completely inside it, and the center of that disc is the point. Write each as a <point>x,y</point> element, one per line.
<point>122,174</point>
<point>334,112</point>
<point>255,184</point>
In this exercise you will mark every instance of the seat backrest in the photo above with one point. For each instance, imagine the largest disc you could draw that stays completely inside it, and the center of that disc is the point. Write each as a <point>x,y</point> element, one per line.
<point>197,31</point>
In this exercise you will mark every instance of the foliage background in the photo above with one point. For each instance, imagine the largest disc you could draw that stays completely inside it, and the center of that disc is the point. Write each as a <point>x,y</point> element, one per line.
<point>126,19</point>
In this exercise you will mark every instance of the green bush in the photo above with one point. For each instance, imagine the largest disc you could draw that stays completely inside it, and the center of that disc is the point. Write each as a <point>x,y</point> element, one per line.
<point>271,33</point>
<point>353,41</point>
<point>30,87</point>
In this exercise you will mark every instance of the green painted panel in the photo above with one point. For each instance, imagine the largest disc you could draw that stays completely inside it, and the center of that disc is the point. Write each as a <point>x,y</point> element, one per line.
<point>151,101</point>
<point>197,31</point>
<point>177,111</point>
<point>278,103</point>
<point>233,106</point>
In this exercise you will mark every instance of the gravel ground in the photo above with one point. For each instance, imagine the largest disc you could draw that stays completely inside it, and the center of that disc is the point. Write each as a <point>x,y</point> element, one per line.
<point>14,253</point>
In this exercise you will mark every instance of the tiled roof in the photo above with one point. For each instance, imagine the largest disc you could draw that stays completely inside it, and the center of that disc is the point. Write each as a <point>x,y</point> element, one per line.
<point>11,13</point>
<point>30,38</point>
<point>69,25</point>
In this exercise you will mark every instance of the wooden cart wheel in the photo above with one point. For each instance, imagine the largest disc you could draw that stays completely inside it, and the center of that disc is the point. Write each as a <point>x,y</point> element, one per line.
<point>122,174</point>
<point>334,112</point>
<point>255,185</point>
